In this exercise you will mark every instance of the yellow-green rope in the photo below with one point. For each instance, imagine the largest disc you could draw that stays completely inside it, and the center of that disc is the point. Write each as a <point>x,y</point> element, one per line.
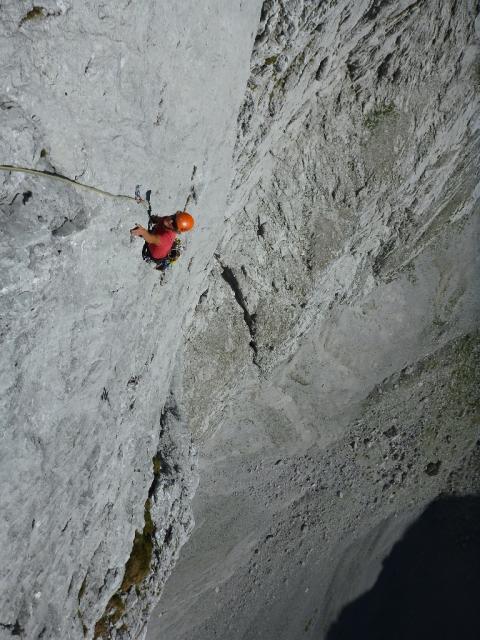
<point>54,176</point>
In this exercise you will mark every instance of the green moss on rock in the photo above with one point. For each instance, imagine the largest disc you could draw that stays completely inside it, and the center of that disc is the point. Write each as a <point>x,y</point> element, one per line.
<point>379,113</point>
<point>35,13</point>
<point>157,465</point>
<point>271,60</point>
<point>113,612</point>
<point>466,374</point>
<point>136,569</point>
<point>138,565</point>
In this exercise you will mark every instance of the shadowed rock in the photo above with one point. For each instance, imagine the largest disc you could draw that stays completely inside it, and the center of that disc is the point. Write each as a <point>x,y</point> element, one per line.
<point>428,588</point>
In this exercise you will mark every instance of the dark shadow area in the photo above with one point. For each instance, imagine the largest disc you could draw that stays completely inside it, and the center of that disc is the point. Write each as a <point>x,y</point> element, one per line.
<point>429,587</point>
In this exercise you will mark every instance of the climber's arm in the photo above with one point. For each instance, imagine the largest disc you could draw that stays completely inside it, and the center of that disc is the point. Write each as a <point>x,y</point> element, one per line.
<point>151,238</point>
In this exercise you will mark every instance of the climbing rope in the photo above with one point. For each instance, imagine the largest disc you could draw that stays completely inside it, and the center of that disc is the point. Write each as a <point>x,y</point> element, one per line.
<point>56,176</point>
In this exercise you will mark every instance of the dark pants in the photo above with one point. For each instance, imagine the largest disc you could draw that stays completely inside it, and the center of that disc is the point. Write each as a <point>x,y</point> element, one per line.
<point>161,263</point>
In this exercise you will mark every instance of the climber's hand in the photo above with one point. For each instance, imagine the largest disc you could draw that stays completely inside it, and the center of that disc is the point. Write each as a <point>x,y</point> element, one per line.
<point>137,230</point>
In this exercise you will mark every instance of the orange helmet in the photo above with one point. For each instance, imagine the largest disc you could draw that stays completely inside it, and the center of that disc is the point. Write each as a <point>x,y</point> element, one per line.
<point>184,221</point>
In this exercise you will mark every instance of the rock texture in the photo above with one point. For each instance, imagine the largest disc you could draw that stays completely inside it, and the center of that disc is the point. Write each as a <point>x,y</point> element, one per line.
<point>334,353</point>
<point>318,340</point>
<point>96,484</point>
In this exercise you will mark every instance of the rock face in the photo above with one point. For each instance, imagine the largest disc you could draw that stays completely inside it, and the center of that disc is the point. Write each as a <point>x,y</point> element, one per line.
<point>318,339</point>
<point>333,360</point>
<point>96,485</point>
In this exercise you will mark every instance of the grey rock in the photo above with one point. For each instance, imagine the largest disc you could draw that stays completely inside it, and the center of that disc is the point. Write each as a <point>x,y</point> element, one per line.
<point>109,98</point>
<point>318,339</point>
<point>364,335</point>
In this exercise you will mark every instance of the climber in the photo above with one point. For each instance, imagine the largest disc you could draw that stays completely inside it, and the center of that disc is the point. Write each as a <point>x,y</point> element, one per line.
<point>161,235</point>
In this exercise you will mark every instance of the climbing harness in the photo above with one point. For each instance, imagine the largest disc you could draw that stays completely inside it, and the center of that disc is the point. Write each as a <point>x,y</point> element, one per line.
<point>175,252</point>
<point>164,263</point>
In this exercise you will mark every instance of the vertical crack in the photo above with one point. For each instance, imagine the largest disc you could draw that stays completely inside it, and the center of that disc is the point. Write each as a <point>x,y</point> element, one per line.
<point>249,318</point>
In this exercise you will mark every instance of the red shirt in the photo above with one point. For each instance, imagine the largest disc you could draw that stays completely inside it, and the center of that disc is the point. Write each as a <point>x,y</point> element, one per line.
<point>166,237</point>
